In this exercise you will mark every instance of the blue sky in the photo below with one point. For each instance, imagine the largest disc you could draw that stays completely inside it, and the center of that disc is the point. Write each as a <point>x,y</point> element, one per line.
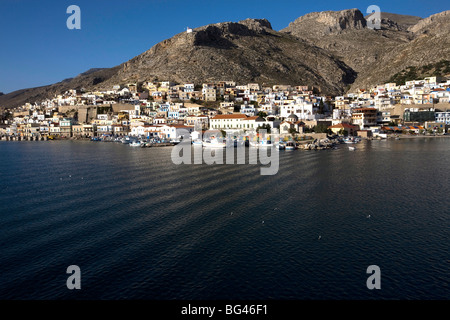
<point>38,49</point>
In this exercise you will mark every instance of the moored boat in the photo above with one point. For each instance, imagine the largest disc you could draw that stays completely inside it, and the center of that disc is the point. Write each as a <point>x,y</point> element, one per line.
<point>291,145</point>
<point>135,144</point>
<point>214,143</point>
<point>280,145</point>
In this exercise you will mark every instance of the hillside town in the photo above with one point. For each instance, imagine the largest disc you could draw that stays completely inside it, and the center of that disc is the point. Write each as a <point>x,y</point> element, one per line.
<point>162,109</point>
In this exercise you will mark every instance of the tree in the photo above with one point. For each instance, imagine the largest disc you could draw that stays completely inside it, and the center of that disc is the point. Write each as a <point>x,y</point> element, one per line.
<point>321,107</point>
<point>320,128</point>
<point>262,114</point>
<point>265,126</point>
<point>329,105</point>
<point>254,103</point>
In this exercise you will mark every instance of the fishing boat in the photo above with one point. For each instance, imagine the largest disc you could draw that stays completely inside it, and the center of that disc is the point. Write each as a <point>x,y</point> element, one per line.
<point>350,140</point>
<point>265,143</point>
<point>135,144</point>
<point>291,145</point>
<point>126,140</point>
<point>214,143</point>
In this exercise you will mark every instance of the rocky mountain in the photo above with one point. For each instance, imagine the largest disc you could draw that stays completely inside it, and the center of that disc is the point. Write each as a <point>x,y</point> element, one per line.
<point>247,51</point>
<point>86,80</point>
<point>396,21</point>
<point>376,55</point>
<point>332,51</point>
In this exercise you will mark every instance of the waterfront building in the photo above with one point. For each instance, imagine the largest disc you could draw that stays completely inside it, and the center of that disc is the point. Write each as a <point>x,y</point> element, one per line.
<point>349,129</point>
<point>443,117</point>
<point>418,115</point>
<point>364,117</point>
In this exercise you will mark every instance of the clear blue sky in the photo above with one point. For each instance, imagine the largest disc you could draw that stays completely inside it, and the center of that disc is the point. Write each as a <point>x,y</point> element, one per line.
<point>37,48</point>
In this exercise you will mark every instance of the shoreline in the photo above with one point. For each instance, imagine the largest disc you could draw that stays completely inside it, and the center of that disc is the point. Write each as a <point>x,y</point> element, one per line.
<point>401,136</point>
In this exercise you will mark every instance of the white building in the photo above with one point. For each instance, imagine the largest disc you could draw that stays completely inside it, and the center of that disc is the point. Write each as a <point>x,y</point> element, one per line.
<point>304,110</point>
<point>443,117</point>
<point>175,131</point>
<point>228,121</point>
<point>248,109</point>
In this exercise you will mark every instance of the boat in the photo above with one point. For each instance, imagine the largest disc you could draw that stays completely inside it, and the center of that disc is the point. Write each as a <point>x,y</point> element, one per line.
<point>214,143</point>
<point>197,142</point>
<point>350,140</point>
<point>126,140</point>
<point>265,143</point>
<point>280,145</point>
<point>135,144</point>
<point>352,148</point>
<point>291,145</point>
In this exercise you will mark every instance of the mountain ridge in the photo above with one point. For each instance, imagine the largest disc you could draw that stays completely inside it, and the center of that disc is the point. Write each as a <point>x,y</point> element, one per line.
<point>330,50</point>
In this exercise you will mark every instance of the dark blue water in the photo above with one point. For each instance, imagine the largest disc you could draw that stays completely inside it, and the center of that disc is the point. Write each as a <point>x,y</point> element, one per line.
<point>140,227</point>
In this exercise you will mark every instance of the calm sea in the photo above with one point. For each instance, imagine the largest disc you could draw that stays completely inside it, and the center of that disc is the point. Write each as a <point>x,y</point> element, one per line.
<point>140,227</point>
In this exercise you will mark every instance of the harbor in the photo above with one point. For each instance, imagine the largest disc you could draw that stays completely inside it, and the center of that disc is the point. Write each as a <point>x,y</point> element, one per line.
<point>165,230</point>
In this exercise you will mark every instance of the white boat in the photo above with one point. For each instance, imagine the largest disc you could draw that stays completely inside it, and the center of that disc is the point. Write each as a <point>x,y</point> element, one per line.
<point>352,148</point>
<point>265,143</point>
<point>197,142</point>
<point>214,143</point>
<point>291,145</point>
<point>349,140</point>
<point>135,144</point>
<point>125,140</point>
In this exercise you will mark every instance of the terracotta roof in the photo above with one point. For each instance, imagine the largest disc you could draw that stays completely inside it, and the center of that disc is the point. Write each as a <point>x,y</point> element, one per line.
<point>252,118</point>
<point>180,126</point>
<point>230,116</point>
